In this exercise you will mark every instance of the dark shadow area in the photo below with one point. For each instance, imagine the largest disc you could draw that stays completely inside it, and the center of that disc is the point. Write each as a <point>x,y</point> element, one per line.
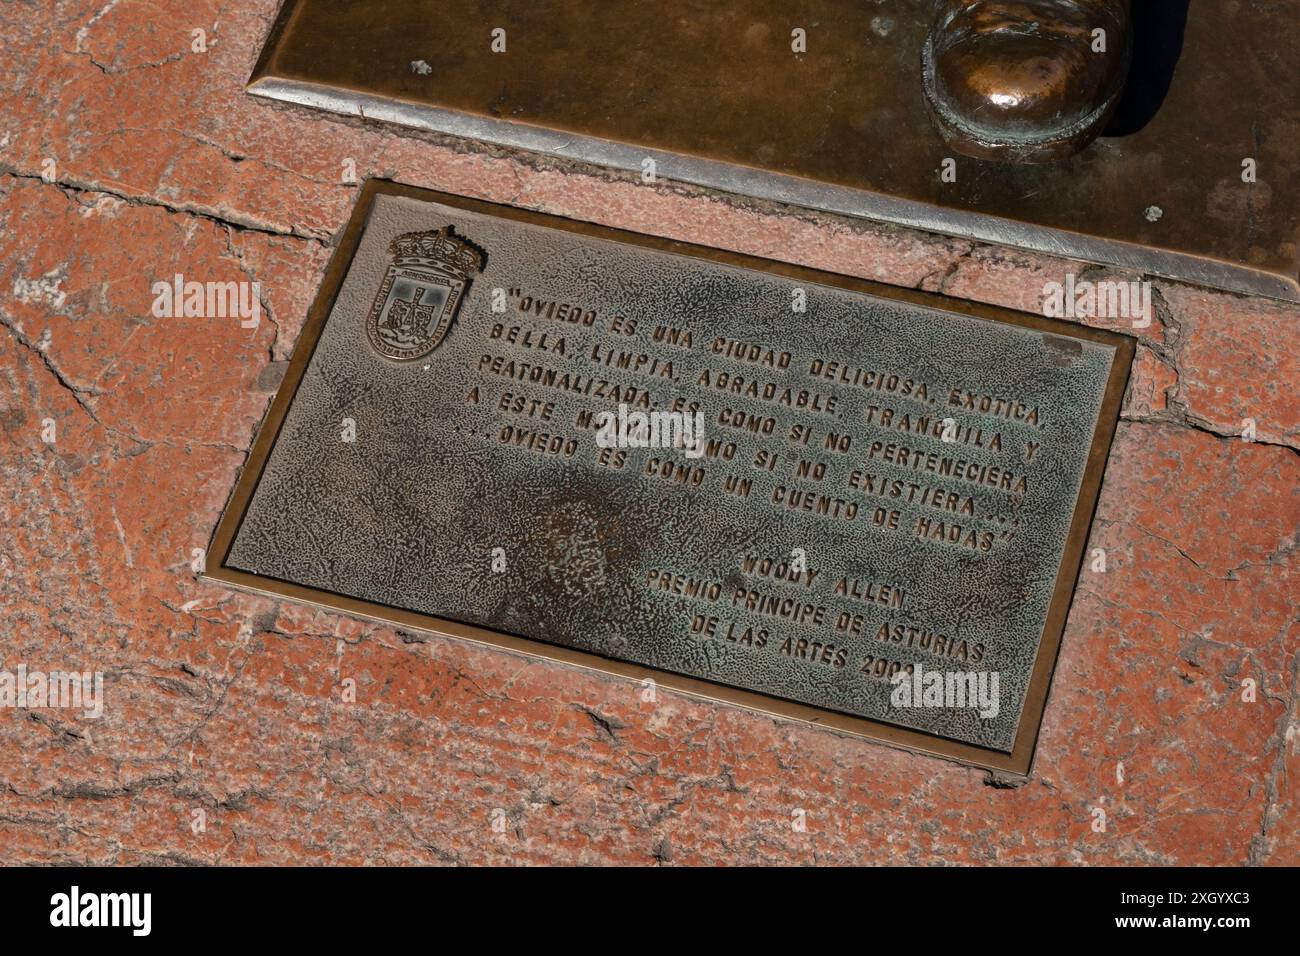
<point>1158,27</point>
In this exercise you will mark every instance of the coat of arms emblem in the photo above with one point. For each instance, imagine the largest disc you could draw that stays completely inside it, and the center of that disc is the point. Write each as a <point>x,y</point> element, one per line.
<point>421,292</point>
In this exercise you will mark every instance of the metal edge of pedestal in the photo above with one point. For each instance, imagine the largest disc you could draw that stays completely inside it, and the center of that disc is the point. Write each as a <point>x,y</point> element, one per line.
<point>778,187</point>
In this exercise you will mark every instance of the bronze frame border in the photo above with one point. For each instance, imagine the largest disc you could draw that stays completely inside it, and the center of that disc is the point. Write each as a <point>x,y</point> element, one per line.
<point>1017,761</point>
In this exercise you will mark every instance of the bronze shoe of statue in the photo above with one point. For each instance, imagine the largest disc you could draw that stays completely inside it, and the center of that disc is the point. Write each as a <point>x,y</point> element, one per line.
<point>1025,81</point>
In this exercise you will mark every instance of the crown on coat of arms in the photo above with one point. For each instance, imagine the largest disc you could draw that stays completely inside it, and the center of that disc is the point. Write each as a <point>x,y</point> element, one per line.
<point>453,253</point>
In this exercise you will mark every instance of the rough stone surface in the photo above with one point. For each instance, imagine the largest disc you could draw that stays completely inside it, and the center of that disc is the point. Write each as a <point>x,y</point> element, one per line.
<point>127,157</point>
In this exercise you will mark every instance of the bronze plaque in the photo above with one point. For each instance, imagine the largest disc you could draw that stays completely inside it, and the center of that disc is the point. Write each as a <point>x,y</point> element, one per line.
<point>801,492</point>
<point>715,95</point>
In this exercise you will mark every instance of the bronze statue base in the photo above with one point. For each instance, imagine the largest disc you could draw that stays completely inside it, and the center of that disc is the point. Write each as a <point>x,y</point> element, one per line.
<point>823,107</point>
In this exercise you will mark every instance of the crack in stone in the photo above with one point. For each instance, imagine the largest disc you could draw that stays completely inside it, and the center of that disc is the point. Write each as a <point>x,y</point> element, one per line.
<point>1288,724</point>
<point>248,270</point>
<point>74,390</point>
<point>238,157</point>
<point>1182,418</point>
<point>1194,421</point>
<point>191,734</point>
<point>609,726</point>
<point>73,187</point>
<point>1147,531</point>
<point>124,71</point>
<point>1178,411</point>
<point>90,790</point>
<point>142,444</point>
<point>942,277</point>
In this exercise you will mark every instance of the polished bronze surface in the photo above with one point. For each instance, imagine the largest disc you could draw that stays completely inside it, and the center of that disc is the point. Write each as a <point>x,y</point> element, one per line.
<point>880,483</point>
<point>1198,179</point>
<point>1025,80</point>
